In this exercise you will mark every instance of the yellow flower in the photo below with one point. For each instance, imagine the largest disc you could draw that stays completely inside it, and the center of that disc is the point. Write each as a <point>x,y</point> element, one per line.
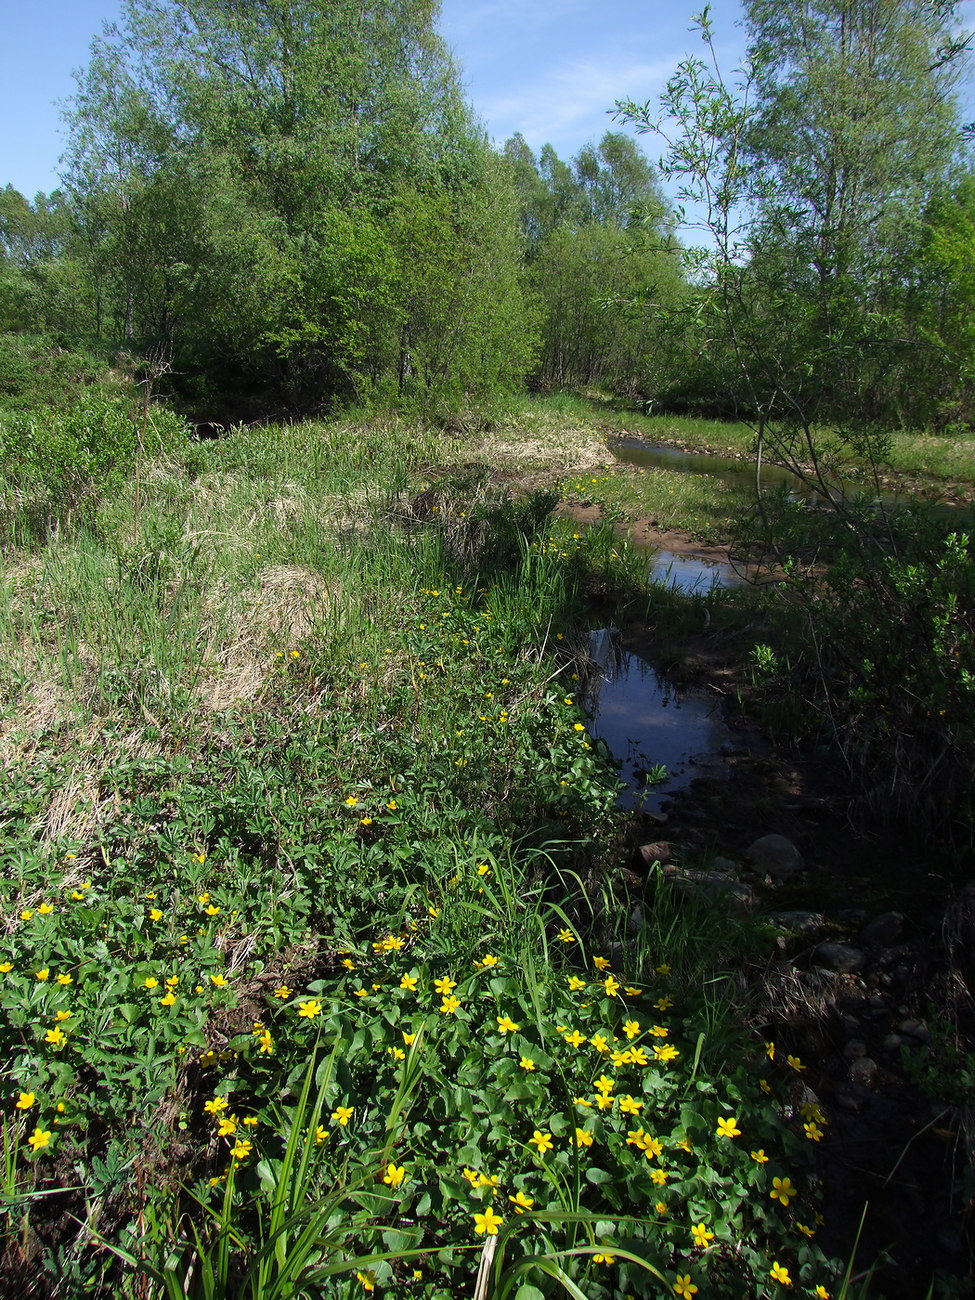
<point>155,914</point>
<point>759,1156</point>
<point>782,1190</point>
<point>813,1132</point>
<point>408,1039</point>
<point>659,1176</point>
<point>575,1039</point>
<point>526,1063</point>
<point>600,963</point>
<point>449,1006</point>
<point>601,1258</point>
<point>368,1279</point>
<point>321,1133</point>
<point>667,1053</point>
<point>630,1106</point>
<point>583,1138</point>
<point>821,1293</point>
<point>578,727</point>
<point>64,980</point>
<point>684,1287</point>
<point>472,1176</point>
<point>26,914</point>
<point>310,1009</point>
<point>6,967</point>
<point>488,1180</point>
<point>543,1141</point>
<point>611,986</point>
<point>484,869</point>
<point>600,1042</point>
<point>365,821</point>
<point>661,1207</point>
<point>488,1223</point>
<point>77,895</point>
<point>25,1101</point>
<point>659,1031</point>
<point>218,980</point>
<point>806,1230</point>
<point>342,1114</point>
<point>631,1028</point>
<point>226,1125</point>
<point>664,1004</point>
<point>215,1106</point>
<point>265,1041</point>
<point>433,912</point>
<point>397,1053</point>
<point>150,982</point>
<point>39,1138</point>
<point>521,1202</point>
<point>779,1274</point>
<point>283,992</point>
<point>55,1037</point>
<point>43,974</point>
<point>352,801</point>
<point>408,982</point>
<point>795,1063</point>
<point>506,1025</point>
<point>567,936</point>
<point>394,1175</point>
<point>445,985</point>
<point>212,910</point>
<point>62,1015</point>
<point>250,1121</point>
<point>45,909</point>
<point>392,805</point>
<point>701,1235</point>
<point>242,1149</point>
<point>728,1127</point>
<point>575,983</point>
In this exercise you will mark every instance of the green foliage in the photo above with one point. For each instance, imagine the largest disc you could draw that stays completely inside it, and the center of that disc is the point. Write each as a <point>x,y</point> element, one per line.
<point>56,463</point>
<point>298,738</point>
<point>305,211</point>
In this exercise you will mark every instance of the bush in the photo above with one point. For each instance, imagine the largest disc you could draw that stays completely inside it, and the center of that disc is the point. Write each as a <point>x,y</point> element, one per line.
<point>57,463</point>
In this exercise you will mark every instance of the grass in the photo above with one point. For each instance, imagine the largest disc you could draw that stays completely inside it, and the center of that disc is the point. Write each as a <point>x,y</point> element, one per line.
<point>306,854</point>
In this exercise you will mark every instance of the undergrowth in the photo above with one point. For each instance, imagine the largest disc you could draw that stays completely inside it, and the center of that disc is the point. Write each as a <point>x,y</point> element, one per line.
<point>316,975</point>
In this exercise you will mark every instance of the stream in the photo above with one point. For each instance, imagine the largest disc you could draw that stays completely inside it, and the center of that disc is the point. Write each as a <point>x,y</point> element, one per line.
<point>644,720</point>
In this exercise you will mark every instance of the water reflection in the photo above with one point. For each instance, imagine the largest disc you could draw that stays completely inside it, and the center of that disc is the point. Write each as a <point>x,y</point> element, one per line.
<point>644,720</point>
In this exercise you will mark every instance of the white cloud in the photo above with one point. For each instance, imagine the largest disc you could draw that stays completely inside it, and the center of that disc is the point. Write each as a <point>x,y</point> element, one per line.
<point>572,102</point>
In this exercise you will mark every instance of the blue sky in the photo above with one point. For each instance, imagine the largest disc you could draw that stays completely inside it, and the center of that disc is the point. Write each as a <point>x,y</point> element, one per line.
<point>550,69</point>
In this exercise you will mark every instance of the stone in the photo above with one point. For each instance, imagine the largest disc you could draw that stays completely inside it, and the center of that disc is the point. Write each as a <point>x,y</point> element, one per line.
<point>854,1048</point>
<point>883,930</point>
<point>775,855</point>
<point>863,1071</point>
<point>839,957</point>
<point>648,854</point>
<point>687,880</point>
<point>723,864</point>
<point>892,1042</point>
<point>915,1029</point>
<point>802,922</point>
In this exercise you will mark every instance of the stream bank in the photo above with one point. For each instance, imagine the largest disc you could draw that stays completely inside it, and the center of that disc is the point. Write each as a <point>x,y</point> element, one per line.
<point>860,983</point>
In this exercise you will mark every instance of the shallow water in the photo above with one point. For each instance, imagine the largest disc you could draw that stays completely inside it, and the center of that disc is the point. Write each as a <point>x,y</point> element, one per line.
<point>644,720</point>
<point>695,575</point>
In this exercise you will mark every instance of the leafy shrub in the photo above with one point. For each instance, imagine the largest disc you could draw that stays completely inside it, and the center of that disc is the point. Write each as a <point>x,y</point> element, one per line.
<point>59,462</point>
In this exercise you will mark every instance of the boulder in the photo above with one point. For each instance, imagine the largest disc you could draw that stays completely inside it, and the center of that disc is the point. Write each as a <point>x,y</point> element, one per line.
<point>839,957</point>
<point>776,856</point>
<point>883,930</point>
